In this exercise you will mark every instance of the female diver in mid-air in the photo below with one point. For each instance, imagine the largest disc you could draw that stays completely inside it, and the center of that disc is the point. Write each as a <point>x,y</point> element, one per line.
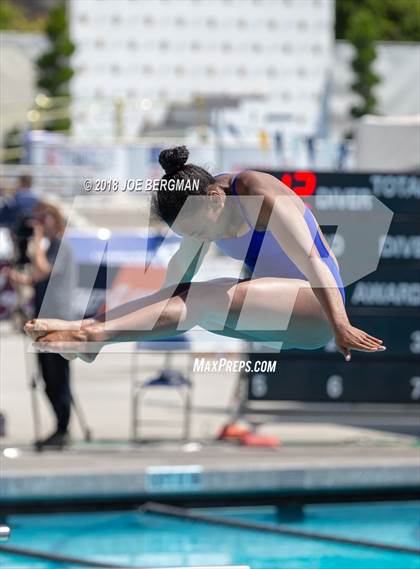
<point>294,298</point>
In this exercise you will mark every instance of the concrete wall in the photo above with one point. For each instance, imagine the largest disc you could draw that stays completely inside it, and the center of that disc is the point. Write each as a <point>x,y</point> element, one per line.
<point>18,52</point>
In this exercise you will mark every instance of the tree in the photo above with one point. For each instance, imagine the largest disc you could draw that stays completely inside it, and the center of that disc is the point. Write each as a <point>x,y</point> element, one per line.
<point>363,33</point>
<point>12,17</point>
<point>397,20</point>
<point>363,23</point>
<point>54,69</point>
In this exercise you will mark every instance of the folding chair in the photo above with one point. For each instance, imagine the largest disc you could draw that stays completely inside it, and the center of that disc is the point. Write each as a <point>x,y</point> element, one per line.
<point>169,377</point>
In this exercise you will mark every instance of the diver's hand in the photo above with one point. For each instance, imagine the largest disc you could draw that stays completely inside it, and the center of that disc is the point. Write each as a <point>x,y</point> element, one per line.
<point>347,338</point>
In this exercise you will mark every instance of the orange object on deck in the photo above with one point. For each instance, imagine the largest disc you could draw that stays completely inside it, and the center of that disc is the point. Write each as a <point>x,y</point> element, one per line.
<point>232,431</point>
<point>253,440</point>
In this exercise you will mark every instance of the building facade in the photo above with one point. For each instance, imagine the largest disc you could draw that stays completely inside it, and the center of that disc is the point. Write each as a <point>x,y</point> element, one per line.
<point>136,57</point>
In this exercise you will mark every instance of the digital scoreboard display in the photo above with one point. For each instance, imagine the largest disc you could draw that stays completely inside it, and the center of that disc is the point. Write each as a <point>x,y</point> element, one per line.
<point>385,302</point>
<point>399,192</point>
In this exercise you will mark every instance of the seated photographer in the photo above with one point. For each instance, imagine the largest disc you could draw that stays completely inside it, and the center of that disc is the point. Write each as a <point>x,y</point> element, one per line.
<point>52,273</point>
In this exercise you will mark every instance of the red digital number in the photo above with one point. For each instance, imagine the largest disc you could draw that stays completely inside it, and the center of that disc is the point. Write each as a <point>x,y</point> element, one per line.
<point>303,183</point>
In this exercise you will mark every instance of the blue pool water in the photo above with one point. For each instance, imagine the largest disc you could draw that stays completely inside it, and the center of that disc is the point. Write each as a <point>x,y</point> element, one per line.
<point>148,540</point>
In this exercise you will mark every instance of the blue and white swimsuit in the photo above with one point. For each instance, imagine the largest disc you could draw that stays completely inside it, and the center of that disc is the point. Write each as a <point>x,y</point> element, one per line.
<point>272,259</point>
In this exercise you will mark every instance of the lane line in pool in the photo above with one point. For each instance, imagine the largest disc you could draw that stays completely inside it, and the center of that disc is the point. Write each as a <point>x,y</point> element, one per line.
<point>177,512</point>
<point>23,552</point>
<point>57,558</point>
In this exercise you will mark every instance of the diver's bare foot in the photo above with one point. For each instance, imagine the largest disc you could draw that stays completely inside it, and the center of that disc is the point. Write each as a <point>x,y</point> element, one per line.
<point>84,343</point>
<point>38,327</point>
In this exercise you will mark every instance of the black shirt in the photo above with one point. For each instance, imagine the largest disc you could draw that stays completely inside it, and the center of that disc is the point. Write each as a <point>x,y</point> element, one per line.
<point>54,295</point>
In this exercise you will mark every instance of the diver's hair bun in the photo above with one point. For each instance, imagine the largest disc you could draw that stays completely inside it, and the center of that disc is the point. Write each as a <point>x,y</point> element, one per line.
<point>172,159</point>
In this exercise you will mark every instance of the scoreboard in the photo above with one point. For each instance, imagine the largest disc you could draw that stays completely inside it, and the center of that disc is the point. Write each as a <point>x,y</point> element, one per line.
<point>384,303</point>
<point>400,192</point>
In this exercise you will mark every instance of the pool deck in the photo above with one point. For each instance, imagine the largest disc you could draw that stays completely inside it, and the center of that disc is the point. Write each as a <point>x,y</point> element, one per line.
<point>157,470</point>
<point>316,457</point>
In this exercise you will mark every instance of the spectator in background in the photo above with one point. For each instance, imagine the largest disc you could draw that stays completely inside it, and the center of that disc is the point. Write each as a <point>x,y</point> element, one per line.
<point>52,273</point>
<point>343,153</point>
<point>15,214</point>
<point>20,205</point>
